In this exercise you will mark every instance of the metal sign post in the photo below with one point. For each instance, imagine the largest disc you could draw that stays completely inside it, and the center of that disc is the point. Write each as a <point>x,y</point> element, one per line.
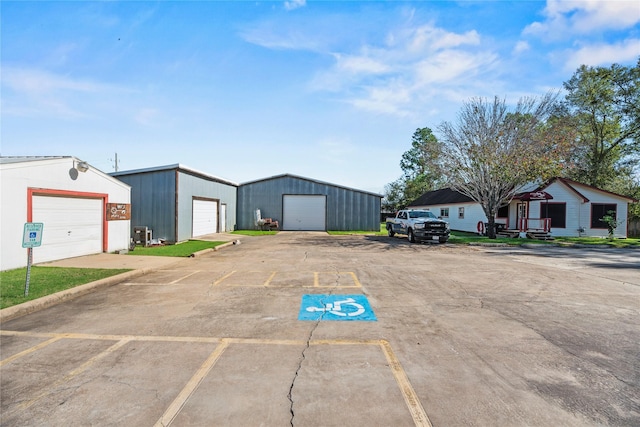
<point>31,238</point>
<point>29,260</point>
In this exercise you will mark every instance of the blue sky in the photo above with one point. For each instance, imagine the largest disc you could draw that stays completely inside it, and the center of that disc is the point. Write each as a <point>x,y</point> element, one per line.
<point>245,90</point>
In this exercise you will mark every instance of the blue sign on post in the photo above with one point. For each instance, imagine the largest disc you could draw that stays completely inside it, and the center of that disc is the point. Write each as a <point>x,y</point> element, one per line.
<point>336,307</point>
<point>32,236</point>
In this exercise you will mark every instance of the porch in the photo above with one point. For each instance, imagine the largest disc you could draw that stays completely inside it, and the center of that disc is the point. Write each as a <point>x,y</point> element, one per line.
<point>531,228</point>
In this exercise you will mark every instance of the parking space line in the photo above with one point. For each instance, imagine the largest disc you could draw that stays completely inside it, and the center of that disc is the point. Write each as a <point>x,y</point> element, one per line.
<point>418,413</point>
<point>184,277</point>
<point>270,278</point>
<point>416,409</point>
<point>72,374</point>
<point>355,279</point>
<point>176,406</point>
<point>29,350</point>
<point>356,282</point>
<point>220,280</point>
<point>273,274</point>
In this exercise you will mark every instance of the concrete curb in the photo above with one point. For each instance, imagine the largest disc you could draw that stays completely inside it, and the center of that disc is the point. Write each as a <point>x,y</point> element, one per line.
<point>19,310</point>
<point>47,301</point>
<point>206,251</point>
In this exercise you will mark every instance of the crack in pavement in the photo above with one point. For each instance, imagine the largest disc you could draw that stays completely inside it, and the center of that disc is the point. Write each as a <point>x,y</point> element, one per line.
<point>303,357</point>
<point>295,375</point>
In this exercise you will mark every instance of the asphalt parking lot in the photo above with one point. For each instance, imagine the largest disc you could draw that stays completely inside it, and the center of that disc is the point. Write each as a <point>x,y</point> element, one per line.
<point>306,329</point>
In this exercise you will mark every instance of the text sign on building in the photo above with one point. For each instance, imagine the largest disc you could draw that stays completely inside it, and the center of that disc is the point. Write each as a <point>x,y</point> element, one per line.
<point>32,236</point>
<point>335,307</point>
<point>118,211</point>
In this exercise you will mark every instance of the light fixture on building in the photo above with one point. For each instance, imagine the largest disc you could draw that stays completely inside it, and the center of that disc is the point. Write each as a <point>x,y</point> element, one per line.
<point>82,166</point>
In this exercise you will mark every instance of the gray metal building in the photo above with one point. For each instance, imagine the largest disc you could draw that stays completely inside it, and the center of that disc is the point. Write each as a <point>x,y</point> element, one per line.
<point>299,203</point>
<point>177,203</point>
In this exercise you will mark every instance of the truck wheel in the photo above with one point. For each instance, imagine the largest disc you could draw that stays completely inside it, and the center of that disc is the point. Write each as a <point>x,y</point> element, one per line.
<point>390,232</point>
<point>410,236</point>
<point>443,240</point>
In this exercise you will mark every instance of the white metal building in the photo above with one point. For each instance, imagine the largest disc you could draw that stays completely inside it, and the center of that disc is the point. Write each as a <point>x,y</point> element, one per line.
<point>83,210</point>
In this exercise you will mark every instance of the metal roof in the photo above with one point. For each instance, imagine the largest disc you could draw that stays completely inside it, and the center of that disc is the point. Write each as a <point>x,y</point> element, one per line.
<point>4,160</point>
<point>177,167</point>
<point>288,175</point>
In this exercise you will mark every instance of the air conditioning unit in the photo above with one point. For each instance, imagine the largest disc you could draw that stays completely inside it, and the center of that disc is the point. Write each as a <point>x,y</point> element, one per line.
<point>142,235</point>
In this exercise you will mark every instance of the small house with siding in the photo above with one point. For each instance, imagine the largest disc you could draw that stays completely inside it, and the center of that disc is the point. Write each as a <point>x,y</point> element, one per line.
<point>559,207</point>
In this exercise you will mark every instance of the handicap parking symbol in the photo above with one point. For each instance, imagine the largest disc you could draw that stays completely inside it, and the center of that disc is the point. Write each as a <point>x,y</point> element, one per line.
<point>336,307</point>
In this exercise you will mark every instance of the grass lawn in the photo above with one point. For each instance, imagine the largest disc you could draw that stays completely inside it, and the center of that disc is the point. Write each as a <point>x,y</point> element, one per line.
<point>45,281</point>
<point>381,232</point>
<point>461,237</point>
<point>615,243</point>
<point>184,249</point>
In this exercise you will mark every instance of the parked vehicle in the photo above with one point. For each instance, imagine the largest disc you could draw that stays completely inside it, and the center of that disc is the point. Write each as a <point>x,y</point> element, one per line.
<point>418,225</point>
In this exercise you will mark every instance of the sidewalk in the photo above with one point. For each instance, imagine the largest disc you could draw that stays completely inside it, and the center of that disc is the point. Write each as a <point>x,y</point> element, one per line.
<point>138,264</point>
<point>134,262</point>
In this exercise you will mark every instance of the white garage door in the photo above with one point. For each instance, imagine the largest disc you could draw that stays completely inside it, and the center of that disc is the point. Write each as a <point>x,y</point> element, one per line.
<point>304,213</point>
<point>72,227</point>
<point>205,217</point>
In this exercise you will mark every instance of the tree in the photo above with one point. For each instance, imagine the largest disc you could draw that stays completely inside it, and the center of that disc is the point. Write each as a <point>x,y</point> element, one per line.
<point>605,103</point>
<point>394,196</point>
<point>421,170</point>
<point>491,151</point>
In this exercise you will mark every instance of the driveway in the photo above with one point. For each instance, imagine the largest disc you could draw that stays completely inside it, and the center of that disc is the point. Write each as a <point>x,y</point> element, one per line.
<point>306,329</point>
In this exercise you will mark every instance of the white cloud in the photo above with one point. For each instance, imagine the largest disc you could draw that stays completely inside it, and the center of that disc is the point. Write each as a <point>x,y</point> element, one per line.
<point>392,100</point>
<point>393,77</point>
<point>603,54</point>
<point>429,38</point>
<point>360,64</point>
<point>33,82</point>
<point>37,92</point>
<point>584,17</point>
<point>521,47</point>
<point>453,67</point>
<point>294,4</point>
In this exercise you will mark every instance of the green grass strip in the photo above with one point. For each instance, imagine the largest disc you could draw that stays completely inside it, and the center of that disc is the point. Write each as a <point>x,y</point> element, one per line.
<point>46,281</point>
<point>184,249</point>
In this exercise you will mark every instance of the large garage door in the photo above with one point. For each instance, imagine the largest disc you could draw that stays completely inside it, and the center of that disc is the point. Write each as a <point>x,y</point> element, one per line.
<point>72,227</point>
<point>205,217</point>
<point>304,213</point>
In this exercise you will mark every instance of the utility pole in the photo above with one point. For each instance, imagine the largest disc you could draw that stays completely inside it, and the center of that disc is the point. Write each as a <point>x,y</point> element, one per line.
<point>115,163</point>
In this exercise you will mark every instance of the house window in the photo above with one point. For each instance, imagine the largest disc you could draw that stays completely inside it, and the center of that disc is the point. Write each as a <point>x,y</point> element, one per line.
<point>460,213</point>
<point>503,212</point>
<point>444,212</point>
<point>599,210</point>
<point>557,212</point>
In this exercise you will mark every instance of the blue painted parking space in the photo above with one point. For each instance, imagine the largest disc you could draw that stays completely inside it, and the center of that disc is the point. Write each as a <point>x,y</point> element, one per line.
<point>336,307</point>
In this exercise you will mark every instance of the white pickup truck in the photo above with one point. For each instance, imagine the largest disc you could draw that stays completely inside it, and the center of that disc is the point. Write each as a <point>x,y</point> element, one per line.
<point>418,225</point>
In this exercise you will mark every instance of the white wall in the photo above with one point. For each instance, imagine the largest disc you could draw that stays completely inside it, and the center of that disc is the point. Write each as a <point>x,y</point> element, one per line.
<point>473,213</point>
<point>582,211</point>
<point>51,174</point>
<point>578,212</point>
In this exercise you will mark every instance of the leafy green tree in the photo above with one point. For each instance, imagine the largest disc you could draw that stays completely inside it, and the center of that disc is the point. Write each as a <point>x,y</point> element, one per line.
<point>421,170</point>
<point>394,196</point>
<point>492,150</point>
<point>605,104</point>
